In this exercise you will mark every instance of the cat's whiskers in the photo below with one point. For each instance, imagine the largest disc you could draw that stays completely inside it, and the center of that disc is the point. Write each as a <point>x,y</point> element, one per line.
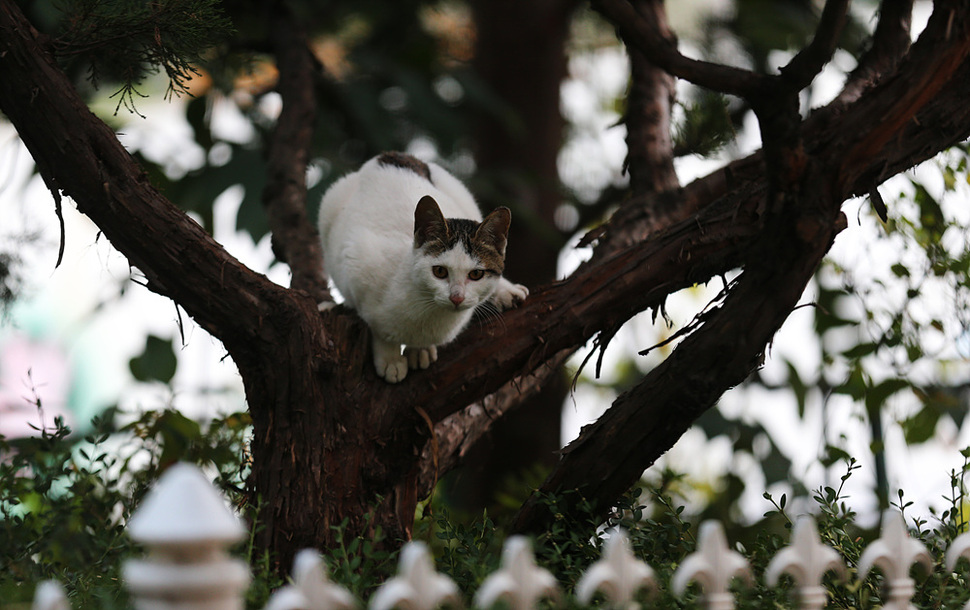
<point>487,313</point>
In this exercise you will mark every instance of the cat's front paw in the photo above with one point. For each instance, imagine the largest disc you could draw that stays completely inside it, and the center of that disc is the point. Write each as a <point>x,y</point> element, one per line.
<point>508,295</point>
<point>421,357</point>
<point>393,370</point>
<point>389,363</point>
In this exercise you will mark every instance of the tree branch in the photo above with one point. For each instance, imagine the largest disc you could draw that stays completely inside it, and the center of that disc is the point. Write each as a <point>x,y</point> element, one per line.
<point>295,239</point>
<point>890,42</point>
<point>459,432</point>
<point>646,36</point>
<point>803,68</point>
<point>78,154</point>
<point>650,158</point>
<point>930,71</point>
<point>744,178</point>
<point>643,423</point>
<point>610,455</point>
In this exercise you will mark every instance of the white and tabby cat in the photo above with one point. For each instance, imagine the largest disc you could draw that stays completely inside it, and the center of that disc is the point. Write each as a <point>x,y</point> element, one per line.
<point>406,246</point>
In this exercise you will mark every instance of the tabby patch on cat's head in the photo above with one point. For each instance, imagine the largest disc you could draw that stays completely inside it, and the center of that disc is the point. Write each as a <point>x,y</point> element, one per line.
<point>485,241</point>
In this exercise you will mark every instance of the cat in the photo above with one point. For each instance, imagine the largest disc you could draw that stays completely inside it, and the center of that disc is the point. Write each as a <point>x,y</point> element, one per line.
<point>406,246</point>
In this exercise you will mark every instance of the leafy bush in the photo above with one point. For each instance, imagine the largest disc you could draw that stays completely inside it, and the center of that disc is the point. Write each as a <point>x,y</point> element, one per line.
<point>64,499</point>
<point>62,510</point>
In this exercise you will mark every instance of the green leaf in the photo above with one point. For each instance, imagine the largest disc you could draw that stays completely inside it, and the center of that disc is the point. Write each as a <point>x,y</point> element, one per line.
<point>920,427</point>
<point>900,270</point>
<point>877,395</point>
<point>860,350</point>
<point>177,433</point>
<point>156,363</point>
<point>930,212</point>
<point>798,387</point>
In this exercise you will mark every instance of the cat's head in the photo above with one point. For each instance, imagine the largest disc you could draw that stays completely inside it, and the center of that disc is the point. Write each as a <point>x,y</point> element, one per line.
<point>459,261</point>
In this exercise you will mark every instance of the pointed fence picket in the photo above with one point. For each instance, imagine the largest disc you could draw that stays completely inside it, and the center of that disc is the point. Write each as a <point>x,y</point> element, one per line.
<point>186,528</point>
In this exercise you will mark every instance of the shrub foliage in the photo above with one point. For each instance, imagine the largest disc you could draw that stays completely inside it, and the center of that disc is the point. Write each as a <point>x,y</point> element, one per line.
<point>64,501</point>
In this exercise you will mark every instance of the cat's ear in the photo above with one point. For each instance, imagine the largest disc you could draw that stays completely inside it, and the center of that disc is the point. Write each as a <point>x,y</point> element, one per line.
<point>494,229</point>
<point>429,222</point>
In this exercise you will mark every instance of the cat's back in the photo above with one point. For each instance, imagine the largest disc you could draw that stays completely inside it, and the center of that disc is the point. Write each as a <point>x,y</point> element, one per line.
<point>381,196</point>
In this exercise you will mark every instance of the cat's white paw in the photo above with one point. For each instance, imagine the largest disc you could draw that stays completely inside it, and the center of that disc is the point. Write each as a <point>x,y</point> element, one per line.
<point>389,363</point>
<point>508,295</point>
<point>326,305</point>
<point>421,357</point>
<point>392,370</point>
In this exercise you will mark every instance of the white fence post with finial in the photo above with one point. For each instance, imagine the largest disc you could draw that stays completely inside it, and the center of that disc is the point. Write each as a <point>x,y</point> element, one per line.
<point>713,565</point>
<point>958,549</point>
<point>806,559</point>
<point>417,586</point>
<point>311,588</point>
<point>894,553</point>
<point>519,581</point>
<point>619,575</point>
<point>186,526</point>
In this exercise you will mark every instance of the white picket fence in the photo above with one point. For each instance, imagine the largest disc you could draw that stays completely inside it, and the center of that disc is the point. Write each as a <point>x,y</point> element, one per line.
<point>186,527</point>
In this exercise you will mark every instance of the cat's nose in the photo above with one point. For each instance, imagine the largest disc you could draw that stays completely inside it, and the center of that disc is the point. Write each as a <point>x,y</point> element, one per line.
<point>457,299</point>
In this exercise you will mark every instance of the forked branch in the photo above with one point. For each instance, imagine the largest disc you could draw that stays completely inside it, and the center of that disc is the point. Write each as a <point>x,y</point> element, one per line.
<point>662,51</point>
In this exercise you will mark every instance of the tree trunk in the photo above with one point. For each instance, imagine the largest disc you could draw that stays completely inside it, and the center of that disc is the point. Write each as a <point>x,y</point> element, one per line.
<point>521,56</point>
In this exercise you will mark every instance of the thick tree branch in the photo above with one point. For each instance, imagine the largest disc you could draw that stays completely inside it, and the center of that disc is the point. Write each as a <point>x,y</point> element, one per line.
<point>295,239</point>
<point>744,178</point>
<point>78,154</point>
<point>932,70</point>
<point>610,455</point>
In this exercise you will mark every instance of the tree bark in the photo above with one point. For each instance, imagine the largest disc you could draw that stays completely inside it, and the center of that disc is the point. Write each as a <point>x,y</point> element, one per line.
<point>650,148</point>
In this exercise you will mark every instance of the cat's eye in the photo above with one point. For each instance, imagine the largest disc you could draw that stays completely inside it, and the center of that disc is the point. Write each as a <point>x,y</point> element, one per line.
<point>440,272</point>
<point>476,274</point>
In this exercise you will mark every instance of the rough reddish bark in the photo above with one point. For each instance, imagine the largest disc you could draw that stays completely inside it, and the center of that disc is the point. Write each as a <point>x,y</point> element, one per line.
<point>330,436</point>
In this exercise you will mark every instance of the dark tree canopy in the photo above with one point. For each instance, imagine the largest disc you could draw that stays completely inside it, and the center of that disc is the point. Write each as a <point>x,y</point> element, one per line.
<point>330,438</point>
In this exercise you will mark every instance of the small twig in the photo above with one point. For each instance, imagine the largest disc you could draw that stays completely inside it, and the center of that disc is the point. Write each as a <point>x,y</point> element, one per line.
<point>60,222</point>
